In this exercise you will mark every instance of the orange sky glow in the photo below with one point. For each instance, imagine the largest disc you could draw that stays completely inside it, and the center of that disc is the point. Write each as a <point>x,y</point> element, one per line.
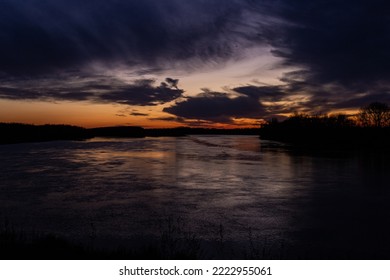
<point>256,67</point>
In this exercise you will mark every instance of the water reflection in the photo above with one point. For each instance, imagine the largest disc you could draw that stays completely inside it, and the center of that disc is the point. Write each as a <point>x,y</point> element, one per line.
<point>258,189</point>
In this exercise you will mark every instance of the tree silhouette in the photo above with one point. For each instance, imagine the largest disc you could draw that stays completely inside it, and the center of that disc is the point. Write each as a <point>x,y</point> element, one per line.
<point>376,114</point>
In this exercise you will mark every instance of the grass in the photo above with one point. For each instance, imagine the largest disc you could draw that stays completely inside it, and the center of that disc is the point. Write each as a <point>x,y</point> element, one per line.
<point>173,241</point>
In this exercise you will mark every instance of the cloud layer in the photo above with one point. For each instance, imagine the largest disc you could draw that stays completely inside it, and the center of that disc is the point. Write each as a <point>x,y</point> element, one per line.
<point>339,51</point>
<point>142,92</point>
<point>241,102</point>
<point>45,36</point>
<point>344,42</point>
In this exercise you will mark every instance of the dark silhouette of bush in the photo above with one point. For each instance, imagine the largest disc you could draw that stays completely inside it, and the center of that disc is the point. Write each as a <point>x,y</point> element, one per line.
<point>375,114</point>
<point>322,131</point>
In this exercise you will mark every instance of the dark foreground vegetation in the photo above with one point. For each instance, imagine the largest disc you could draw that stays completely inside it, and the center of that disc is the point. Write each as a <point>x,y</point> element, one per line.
<point>173,242</point>
<point>177,244</point>
<point>313,131</point>
<point>369,129</point>
<point>38,246</point>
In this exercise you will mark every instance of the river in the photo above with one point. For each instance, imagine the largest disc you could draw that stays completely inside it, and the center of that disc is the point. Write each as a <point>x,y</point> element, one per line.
<point>238,196</point>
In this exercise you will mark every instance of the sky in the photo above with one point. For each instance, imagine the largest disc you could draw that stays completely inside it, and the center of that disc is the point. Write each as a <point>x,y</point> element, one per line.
<point>207,63</point>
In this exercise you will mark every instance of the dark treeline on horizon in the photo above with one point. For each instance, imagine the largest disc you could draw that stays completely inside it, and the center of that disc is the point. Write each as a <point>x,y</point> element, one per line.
<point>370,128</point>
<point>136,131</point>
<point>18,133</point>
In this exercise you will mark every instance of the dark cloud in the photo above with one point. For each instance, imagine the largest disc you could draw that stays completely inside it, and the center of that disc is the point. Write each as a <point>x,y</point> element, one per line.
<point>266,102</point>
<point>273,93</point>
<point>312,97</point>
<point>334,42</point>
<point>45,36</point>
<point>360,101</point>
<point>169,119</point>
<point>186,122</point>
<point>136,114</point>
<point>218,107</point>
<point>128,111</point>
<point>143,92</point>
<point>339,50</point>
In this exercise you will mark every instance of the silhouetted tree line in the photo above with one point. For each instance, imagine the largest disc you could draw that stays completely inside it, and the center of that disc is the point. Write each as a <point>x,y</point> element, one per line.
<point>375,115</point>
<point>370,128</point>
<point>135,131</point>
<point>18,133</point>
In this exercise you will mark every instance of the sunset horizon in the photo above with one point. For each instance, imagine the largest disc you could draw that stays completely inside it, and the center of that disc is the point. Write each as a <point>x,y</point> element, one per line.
<point>216,64</point>
<point>195,130</point>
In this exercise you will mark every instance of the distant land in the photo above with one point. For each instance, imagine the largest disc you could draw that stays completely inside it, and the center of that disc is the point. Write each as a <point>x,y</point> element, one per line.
<point>12,133</point>
<point>324,132</point>
<point>308,132</point>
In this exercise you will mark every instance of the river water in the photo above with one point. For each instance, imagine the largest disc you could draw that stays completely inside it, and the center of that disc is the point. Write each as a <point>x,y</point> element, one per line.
<point>238,195</point>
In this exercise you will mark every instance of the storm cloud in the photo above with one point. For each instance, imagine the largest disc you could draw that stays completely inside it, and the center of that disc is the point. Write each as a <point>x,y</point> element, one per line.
<point>334,54</point>
<point>224,107</point>
<point>334,42</point>
<point>44,36</point>
<point>142,92</point>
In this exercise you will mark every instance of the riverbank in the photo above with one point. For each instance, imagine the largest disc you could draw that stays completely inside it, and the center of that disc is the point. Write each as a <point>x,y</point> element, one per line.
<point>326,133</point>
<point>12,133</point>
<point>255,198</point>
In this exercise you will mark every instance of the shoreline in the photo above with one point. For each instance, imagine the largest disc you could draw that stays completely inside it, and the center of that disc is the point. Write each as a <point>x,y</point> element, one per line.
<point>15,133</point>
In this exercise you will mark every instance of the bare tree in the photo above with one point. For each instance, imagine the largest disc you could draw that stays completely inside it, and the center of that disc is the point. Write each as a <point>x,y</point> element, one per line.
<point>375,114</point>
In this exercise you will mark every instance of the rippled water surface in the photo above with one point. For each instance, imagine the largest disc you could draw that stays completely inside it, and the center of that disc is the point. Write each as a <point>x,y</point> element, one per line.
<point>227,188</point>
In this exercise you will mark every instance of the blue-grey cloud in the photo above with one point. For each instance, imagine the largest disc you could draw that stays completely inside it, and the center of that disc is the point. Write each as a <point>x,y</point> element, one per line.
<point>265,93</point>
<point>334,42</point>
<point>45,36</point>
<point>142,92</point>
<point>218,107</point>
<point>339,48</point>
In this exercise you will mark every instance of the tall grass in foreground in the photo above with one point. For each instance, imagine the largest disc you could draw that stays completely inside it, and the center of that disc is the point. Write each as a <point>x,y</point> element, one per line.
<point>173,241</point>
